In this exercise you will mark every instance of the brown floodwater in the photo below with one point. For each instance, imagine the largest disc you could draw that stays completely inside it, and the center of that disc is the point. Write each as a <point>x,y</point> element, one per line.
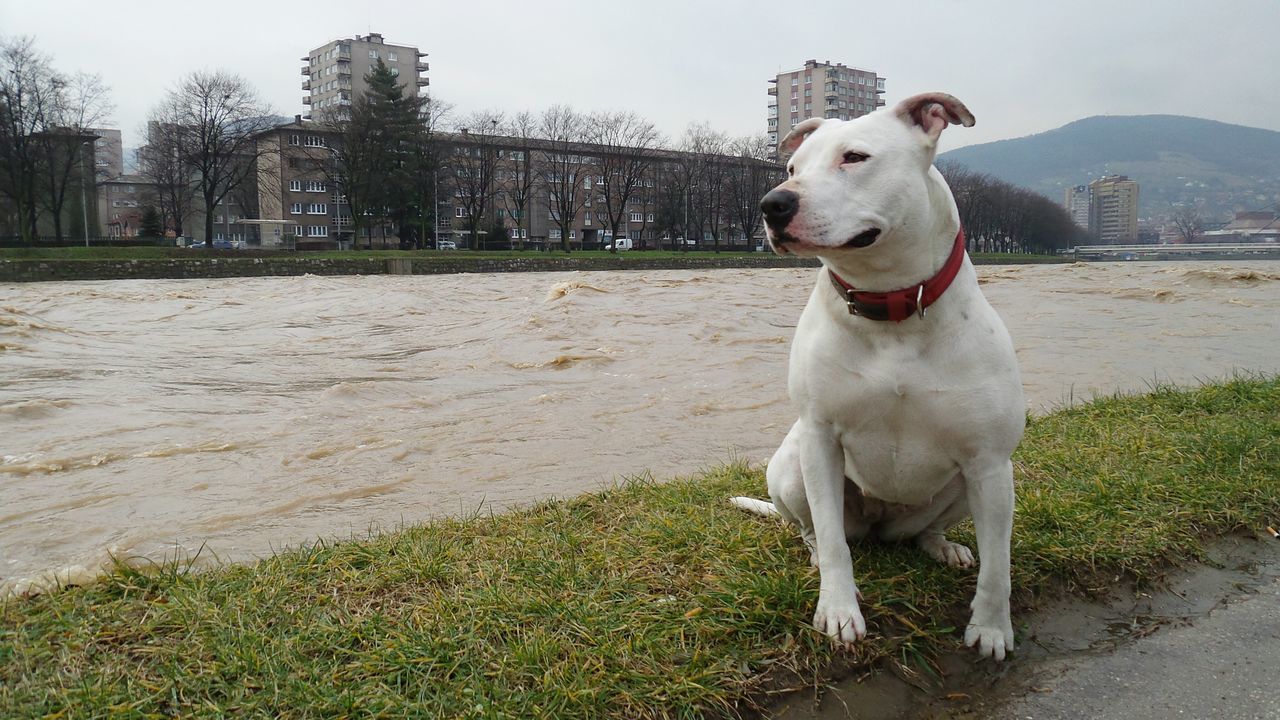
<point>151,418</point>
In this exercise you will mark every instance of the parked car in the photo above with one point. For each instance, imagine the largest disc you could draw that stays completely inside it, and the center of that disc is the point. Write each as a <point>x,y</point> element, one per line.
<point>446,245</point>
<point>217,244</point>
<point>622,243</point>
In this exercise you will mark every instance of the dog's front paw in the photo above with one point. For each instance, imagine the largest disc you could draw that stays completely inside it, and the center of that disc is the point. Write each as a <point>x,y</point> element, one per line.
<point>842,622</point>
<point>991,642</point>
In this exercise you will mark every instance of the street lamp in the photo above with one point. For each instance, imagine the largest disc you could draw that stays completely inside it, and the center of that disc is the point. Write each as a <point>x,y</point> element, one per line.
<point>84,212</point>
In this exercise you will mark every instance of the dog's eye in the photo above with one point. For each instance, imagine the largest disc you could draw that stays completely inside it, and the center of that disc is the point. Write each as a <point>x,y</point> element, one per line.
<point>791,170</point>
<point>854,157</point>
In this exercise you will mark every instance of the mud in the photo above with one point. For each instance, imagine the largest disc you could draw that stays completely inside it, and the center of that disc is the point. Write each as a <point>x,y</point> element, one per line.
<point>1059,637</point>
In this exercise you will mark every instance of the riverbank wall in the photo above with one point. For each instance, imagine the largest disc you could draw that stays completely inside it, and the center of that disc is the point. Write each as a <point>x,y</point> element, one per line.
<point>224,267</point>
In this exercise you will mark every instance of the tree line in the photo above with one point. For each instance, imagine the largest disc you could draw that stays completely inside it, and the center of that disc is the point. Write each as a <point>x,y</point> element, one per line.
<point>1000,217</point>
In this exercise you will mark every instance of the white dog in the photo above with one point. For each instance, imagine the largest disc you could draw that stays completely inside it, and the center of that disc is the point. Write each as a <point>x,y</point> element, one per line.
<point>904,377</point>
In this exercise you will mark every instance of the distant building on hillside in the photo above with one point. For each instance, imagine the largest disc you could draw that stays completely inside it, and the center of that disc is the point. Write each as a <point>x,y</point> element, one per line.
<point>335,71</point>
<point>1247,227</point>
<point>1077,205</point>
<point>1113,209</point>
<point>822,90</point>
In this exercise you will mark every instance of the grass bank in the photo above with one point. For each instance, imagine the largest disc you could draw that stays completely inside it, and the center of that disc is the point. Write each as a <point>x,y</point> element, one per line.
<point>647,600</point>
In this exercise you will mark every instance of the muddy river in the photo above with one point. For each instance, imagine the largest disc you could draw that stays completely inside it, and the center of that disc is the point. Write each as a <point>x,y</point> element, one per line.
<point>147,418</point>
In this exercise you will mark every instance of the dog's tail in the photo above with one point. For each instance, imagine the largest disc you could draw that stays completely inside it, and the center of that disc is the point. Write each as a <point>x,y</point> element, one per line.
<point>759,507</point>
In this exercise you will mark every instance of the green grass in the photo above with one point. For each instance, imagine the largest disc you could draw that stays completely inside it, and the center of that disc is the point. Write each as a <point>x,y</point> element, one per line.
<point>647,600</point>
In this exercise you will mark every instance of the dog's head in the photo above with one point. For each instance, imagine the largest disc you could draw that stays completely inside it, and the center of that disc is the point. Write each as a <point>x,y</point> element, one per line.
<point>851,184</point>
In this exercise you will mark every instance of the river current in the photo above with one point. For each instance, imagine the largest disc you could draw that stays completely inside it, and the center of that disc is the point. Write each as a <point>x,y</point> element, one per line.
<point>151,418</point>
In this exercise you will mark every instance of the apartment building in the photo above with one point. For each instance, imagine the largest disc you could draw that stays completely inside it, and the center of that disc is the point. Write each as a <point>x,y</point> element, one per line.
<point>334,72</point>
<point>1076,202</point>
<point>1113,209</point>
<point>297,204</point>
<point>108,153</point>
<point>822,90</point>
<point>122,200</point>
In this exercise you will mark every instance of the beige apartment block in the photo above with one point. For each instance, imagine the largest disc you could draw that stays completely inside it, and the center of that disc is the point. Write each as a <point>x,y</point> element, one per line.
<point>821,90</point>
<point>334,72</point>
<point>1076,201</point>
<point>1113,209</point>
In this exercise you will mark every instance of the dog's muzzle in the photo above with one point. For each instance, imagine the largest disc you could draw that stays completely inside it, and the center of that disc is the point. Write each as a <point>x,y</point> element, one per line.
<point>778,207</point>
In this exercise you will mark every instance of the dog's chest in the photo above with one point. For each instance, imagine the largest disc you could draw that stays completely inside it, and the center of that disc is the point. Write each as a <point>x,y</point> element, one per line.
<point>900,420</point>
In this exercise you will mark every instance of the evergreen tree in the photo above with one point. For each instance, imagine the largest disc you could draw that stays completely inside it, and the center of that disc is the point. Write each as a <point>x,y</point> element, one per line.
<point>150,223</point>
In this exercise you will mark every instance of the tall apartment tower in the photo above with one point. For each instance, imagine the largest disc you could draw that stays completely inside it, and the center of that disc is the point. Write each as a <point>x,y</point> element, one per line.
<point>823,90</point>
<point>335,71</point>
<point>1113,209</point>
<point>1077,204</point>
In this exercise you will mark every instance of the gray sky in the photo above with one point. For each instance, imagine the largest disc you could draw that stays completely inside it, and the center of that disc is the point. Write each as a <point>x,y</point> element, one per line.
<point>1022,66</point>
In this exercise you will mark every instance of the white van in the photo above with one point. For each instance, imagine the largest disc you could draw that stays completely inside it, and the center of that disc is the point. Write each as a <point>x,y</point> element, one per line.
<point>622,243</point>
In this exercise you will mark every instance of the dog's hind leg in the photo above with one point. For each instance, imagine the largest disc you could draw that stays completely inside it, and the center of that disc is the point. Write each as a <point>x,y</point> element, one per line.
<point>786,489</point>
<point>928,525</point>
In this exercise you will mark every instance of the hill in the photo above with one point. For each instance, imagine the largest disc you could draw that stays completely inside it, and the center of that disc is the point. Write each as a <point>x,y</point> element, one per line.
<point>1220,167</point>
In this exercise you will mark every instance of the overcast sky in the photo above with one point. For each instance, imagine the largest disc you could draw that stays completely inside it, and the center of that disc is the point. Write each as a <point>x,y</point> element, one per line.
<point>1021,66</point>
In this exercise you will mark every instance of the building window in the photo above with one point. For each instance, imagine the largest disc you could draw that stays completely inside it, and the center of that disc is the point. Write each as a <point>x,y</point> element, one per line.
<point>392,56</point>
<point>808,79</point>
<point>795,81</point>
<point>293,139</point>
<point>395,72</point>
<point>295,209</point>
<point>314,141</point>
<point>373,54</point>
<point>637,217</point>
<point>317,231</point>
<point>460,212</point>
<point>317,209</point>
<point>650,217</point>
<point>316,186</point>
<point>295,186</point>
<point>554,233</point>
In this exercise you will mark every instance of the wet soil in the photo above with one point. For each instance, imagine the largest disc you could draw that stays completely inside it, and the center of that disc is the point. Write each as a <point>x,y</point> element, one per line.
<point>1058,637</point>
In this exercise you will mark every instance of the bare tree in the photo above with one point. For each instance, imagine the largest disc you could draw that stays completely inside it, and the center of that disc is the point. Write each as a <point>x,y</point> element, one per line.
<point>565,170</point>
<point>162,162</point>
<point>213,118</point>
<point>627,146</point>
<point>474,165</point>
<point>426,159</point>
<point>517,190</point>
<point>1186,220</point>
<point>705,178</point>
<point>751,174</point>
<point>78,104</point>
<point>27,97</point>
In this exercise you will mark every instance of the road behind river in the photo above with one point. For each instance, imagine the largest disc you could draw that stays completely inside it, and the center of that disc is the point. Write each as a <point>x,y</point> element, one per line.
<point>151,417</point>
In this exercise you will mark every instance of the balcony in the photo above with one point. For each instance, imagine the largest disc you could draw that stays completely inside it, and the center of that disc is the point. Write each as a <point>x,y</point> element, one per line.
<point>306,84</point>
<point>423,82</point>
<point>344,69</point>
<point>307,71</point>
<point>773,90</point>
<point>305,59</point>
<point>423,67</point>
<point>306,99</point>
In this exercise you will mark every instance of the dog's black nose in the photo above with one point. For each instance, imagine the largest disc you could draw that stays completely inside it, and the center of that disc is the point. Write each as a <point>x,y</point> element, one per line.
<point>779,206</point>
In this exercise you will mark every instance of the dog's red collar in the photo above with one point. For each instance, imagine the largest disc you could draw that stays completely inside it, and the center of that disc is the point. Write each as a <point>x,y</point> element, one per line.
<point>898,305</point>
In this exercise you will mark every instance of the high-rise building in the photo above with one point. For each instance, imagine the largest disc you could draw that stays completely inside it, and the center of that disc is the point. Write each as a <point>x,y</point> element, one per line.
<point>1113,209</point>
<point>822,90</point>
<point>1077,204</point>
<point>108,153</point>
<point>335,71</point>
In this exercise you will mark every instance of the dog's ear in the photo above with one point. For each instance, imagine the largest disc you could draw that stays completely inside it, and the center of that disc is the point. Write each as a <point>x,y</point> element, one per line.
<point>797,136</point>
<point>932,112</point>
